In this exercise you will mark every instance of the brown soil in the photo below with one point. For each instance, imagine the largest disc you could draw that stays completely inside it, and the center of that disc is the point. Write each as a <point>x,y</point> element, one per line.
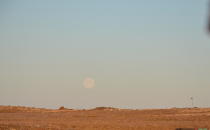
<point>102,118</point>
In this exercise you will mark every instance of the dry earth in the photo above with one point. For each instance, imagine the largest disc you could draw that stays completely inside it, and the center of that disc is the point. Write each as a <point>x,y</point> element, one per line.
<point>102,118</point>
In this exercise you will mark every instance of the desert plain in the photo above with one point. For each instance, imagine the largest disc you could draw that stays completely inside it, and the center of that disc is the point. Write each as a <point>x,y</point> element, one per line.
<point>102,118</point>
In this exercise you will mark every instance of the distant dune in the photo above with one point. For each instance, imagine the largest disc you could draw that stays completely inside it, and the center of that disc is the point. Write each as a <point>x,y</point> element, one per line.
<point>102,118</point>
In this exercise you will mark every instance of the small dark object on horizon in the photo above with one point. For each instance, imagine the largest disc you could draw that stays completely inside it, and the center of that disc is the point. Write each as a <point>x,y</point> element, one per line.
<point>62,108</point>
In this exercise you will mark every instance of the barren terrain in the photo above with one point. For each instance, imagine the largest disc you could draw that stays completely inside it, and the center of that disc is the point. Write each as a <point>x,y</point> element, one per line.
<point>102,118</point>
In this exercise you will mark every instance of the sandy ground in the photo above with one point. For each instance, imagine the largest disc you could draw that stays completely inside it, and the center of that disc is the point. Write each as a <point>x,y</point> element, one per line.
<point>24,118</point>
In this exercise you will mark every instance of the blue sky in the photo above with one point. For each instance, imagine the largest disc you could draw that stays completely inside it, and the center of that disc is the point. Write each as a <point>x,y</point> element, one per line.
<point>141,53</point>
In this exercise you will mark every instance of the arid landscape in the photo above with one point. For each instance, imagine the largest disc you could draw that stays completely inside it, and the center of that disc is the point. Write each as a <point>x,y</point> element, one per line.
<point>102,118</point>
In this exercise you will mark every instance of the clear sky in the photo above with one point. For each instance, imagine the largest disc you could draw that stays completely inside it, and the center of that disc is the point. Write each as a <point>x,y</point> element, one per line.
<point>134,53</point>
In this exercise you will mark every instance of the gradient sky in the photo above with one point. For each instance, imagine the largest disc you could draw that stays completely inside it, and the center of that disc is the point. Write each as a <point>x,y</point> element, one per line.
<point>141,53</point>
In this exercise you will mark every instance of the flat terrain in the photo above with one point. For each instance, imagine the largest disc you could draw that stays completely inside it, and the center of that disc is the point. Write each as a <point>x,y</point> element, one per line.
<point>102,118</point>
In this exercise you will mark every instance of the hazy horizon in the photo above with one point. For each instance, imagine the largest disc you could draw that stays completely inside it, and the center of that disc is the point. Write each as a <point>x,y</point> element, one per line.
<point>84,54</point>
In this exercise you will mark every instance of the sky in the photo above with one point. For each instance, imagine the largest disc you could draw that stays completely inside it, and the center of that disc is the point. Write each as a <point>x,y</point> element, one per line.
<point>119,53</point>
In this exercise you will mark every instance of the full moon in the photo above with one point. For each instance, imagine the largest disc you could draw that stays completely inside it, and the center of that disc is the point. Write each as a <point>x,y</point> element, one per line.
<point>89,83</point>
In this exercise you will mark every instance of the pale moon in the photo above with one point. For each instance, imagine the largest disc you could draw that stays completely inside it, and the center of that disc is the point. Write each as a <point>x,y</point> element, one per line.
<point>89,83</point>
